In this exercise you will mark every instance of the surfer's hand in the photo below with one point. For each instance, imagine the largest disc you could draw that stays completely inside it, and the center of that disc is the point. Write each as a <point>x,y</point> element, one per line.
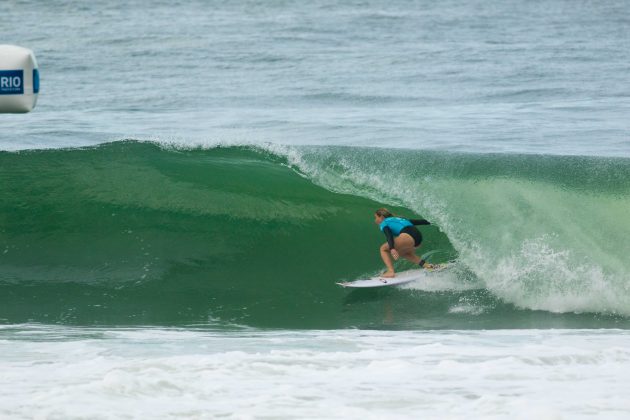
<point>395,254</point>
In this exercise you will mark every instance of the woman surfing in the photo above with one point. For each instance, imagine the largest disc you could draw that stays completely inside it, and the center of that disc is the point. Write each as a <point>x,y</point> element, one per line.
<point>402,239</point>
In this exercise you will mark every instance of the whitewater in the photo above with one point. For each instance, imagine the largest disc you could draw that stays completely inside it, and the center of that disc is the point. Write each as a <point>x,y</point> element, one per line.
<point>196,177</point>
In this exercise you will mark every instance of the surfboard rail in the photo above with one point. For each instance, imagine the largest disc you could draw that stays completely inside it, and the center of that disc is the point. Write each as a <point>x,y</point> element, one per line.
<point>401,278</point>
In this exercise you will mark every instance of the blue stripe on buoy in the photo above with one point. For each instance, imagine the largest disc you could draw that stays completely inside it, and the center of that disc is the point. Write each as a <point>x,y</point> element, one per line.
<point>35,81</point>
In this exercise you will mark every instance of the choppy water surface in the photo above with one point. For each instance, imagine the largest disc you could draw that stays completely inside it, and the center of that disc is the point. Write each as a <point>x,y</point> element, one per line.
<point>481,76</point>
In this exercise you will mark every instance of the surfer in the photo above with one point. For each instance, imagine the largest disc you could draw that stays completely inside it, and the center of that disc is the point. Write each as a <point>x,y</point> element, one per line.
<point>402,239</point>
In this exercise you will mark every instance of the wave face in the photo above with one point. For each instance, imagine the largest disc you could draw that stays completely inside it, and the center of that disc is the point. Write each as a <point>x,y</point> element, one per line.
<point>138,233</point>
<point>541,232</point>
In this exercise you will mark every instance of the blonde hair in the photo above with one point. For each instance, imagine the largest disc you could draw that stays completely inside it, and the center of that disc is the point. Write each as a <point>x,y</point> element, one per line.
<point>384,212</point>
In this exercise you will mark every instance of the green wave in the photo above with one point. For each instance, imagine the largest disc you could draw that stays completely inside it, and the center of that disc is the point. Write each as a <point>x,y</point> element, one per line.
<point>138,233</point>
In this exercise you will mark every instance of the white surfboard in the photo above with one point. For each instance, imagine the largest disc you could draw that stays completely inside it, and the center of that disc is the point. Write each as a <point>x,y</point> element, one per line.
<point>401,278</point>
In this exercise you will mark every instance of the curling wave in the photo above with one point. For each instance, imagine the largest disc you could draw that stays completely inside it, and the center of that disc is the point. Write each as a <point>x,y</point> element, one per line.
<point>135,232</point>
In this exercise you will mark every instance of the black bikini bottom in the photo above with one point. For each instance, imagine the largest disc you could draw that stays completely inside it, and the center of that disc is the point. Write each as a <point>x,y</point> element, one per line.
<point>414,233</point>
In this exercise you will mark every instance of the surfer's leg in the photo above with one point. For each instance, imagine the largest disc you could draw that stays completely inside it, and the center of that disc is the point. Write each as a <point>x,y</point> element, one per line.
<point>412,258</point>
<point>387,260</point>
<point>407,250</point>
<point>417,260</point>
<point>405,246</point>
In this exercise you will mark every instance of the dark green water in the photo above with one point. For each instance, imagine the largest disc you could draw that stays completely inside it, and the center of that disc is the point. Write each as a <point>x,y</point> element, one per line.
<point>129,233</point>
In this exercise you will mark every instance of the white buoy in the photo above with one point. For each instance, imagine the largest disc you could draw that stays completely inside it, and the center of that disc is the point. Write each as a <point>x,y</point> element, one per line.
<point>19,79</point>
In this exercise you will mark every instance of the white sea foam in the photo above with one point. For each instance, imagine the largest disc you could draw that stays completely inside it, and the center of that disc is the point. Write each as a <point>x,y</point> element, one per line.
<point>441,281</point>
<point>59,372</point>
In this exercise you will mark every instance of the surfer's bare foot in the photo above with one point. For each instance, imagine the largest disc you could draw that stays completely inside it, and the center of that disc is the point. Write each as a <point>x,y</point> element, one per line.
<point>428,265</point>
<point>388,274</point>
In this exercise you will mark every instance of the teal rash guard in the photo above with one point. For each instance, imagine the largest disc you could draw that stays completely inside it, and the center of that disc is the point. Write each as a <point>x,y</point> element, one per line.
<point>394,226</point>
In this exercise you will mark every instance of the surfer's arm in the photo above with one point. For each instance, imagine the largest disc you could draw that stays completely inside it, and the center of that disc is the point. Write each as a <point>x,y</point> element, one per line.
<point>390,237</point>
<point>419,222</point>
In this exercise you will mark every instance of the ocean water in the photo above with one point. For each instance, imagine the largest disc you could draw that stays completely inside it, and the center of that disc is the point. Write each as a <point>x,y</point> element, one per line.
<point>197,175</point>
